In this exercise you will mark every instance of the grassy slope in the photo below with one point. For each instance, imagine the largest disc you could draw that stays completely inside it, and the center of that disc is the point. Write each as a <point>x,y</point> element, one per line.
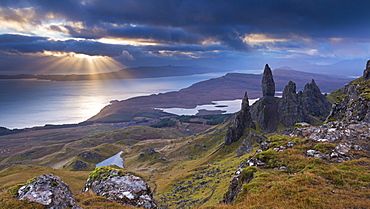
<point>196,171</point>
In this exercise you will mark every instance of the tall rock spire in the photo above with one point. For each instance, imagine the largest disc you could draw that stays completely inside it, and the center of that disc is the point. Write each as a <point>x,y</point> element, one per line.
<point>367,71</point>
<point>241,121</point>
<point>268,84</point>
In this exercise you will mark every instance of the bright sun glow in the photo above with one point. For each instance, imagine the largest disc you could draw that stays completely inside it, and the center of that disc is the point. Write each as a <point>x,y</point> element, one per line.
<point>76,63</point>
<point>137,42</point>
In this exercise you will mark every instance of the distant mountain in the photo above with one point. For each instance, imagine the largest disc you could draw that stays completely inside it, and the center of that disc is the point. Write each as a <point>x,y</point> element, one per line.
<point>128,73</point>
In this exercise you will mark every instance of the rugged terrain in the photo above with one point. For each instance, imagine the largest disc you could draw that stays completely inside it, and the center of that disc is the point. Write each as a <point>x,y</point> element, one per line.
<point>235,164</point>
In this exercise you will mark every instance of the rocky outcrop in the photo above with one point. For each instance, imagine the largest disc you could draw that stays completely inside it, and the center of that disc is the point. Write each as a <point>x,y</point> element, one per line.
<point>290,106</point>
<point>347,137</point>
<point>366,74</point>
<point>121,187</point>
<point>241,121</point>
<point>309,106</point>
<point>248,143</point>
<point>265,112</point>
<point>314,102</point>
<point>89,155</point>
<point>353,105</point>
<point>48,190</point>
<point>268,84</point>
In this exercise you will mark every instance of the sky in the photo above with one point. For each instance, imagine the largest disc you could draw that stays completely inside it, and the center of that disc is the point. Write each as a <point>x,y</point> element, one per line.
<point>89,36</point>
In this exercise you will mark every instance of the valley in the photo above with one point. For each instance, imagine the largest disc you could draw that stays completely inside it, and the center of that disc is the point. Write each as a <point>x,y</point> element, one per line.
<point>212,161</point>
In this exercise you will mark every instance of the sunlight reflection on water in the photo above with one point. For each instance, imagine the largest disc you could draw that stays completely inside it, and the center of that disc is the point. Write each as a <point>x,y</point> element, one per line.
<point>28,102</point>
<point>227,106</point>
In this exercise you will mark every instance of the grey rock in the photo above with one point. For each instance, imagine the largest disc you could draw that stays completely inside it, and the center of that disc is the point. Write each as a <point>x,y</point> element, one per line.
<point>354,106</point>
<point>48,190</point>
<point>268,84</point>
<point>303,106</point>
<point>121,187</point>
<point>265,112</point>
<point>247,145</point>
<point>79,165</point>
<point>366,74</point>
<point>89,155</point>
<point>290,106</point>
<point>242,120</point>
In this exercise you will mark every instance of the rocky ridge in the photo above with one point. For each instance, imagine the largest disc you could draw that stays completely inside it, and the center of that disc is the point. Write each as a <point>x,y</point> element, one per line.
<point>353,105</point>
<point>241,121</point>
<point>343,137</point>
<point>309,105</point>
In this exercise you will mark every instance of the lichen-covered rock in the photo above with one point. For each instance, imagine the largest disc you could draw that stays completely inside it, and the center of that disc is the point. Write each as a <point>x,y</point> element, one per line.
<point>121,187</point>
<point>48,190</point>
<point>354,104</point>
<point>247,145</point>
<point>349,137</point>
<point>241,121</point>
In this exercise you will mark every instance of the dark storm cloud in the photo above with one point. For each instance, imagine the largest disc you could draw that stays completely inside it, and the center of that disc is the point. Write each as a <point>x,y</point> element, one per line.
<point>19,44</point>
<point>188,28</point>
<point>193,21</point>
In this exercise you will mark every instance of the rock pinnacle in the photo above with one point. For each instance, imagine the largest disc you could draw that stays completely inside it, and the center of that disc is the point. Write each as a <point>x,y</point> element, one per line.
<point>268,84</point>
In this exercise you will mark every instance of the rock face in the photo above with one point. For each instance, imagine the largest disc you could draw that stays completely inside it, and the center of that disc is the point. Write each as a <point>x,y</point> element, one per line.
<point>304,106</point>
<point>248,143</point>
<point>241,121</point>
<point>307,106</point>
<point>48,190</point>
<point>290,106</point>
<point>120,187</point>
<point>314,102</point>
<point>268,84</point>
<point>265,112</point>
<point>354,104</point>
<point>366,75</point>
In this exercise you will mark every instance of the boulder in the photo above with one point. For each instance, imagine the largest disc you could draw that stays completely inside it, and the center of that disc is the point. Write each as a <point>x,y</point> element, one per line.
<point>48,190</point>
<point>121,187</point>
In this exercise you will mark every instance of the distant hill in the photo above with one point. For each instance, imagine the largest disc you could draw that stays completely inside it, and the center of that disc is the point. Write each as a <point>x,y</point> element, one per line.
<point>128,73</point>
<point>228,87</point>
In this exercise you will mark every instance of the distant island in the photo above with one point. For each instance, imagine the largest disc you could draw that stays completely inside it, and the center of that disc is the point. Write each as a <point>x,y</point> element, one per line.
<point>127,73</point>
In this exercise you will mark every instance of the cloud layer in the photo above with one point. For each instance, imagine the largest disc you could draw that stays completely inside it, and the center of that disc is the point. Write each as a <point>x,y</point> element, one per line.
<point>167,31</point>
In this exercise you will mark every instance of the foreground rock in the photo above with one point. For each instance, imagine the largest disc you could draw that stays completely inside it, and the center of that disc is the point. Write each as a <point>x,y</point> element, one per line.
<point>354,103</point>
<point>121,187</point>
<point>48,190</point>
